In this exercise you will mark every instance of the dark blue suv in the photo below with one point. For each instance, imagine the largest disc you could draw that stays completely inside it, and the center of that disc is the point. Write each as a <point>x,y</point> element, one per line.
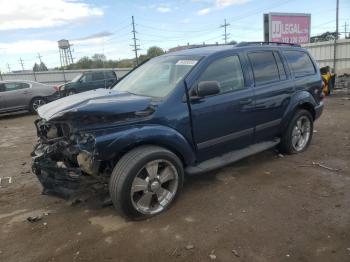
<point>185,112</point>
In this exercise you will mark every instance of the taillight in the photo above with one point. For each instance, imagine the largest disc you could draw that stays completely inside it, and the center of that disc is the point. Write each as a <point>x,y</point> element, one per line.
<point>57,88</point>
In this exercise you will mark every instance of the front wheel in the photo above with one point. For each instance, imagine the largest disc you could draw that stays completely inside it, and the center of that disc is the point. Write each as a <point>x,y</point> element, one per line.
<point>71,92</point>
<point>298,134</point>
<point>146,181</point>
<point>36,103</point>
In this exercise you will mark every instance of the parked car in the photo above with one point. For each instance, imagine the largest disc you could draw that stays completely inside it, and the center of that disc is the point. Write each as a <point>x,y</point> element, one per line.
<point>185,112</point>
<point>89,81</point>
<point>25,95</point>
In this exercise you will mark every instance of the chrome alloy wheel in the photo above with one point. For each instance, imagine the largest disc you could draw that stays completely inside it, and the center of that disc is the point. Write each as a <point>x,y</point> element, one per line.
<point>154,187</point>
<point>301,133</point>
<point>38,103</point>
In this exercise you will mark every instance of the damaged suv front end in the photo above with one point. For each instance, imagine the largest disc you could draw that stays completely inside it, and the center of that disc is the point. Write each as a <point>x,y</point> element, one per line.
<point>66,158</point>
<point>62,158</point>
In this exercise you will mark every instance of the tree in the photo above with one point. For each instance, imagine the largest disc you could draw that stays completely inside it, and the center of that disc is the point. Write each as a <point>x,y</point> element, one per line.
<point>327,36</point>
<point>154,51</point>
<point>83,63</point>
<point>36,67</point>
<point>98,57</point>
<point>43,67</point>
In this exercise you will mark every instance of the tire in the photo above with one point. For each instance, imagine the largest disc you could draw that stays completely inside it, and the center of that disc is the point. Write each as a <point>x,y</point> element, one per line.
<point>138,185</point>
<point>287,144</point>
<point>71,92</point>
<point>35,103</point>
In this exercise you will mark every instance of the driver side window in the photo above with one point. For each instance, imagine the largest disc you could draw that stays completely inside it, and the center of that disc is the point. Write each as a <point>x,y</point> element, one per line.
<point>227,71</point>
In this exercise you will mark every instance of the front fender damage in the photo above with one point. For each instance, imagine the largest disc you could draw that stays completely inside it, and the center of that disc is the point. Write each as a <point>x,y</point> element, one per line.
<point>64,160</point>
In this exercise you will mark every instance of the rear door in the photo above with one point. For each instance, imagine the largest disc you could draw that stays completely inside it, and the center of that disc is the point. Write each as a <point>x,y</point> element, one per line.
<point>98,80</point>
<point>223,122</point>
<point>273,89</point>
<point>110,78</point>
<point>17,95</point>
<point>306,73</point>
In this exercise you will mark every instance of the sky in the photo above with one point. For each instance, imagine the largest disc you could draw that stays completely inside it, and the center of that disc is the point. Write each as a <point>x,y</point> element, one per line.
<point>32,27</point>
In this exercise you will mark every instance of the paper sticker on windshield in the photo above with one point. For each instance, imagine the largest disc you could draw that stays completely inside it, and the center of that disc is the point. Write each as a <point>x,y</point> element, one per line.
<point>186,62</point>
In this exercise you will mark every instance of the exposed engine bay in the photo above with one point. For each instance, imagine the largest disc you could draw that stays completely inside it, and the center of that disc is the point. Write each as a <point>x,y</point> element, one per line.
<point>64,159</point>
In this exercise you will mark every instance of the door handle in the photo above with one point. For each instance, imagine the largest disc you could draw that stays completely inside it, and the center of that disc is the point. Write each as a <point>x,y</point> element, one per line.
<point>246,101</point>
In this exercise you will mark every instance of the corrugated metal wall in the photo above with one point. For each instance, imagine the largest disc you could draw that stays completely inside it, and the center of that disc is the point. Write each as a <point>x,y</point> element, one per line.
<point>56,77</point>
<point>323,53</point>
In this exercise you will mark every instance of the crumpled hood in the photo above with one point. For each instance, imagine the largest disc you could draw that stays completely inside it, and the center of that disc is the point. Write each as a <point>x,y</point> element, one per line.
<point>99,102</point>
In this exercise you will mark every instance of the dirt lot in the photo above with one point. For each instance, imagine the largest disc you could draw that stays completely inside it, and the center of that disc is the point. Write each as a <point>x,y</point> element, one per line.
<point>264,208</point>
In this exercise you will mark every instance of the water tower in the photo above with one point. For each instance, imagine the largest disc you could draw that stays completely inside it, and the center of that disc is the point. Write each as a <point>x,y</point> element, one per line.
<point>65,52</point>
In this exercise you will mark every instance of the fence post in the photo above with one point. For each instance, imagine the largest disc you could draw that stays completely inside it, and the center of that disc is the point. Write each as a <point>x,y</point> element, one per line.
<point>0,76</point>
<point>64,75</point>
<point>34,76</point>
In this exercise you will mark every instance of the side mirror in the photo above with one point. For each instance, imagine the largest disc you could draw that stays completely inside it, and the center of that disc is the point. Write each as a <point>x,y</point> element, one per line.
<point>208,88</point>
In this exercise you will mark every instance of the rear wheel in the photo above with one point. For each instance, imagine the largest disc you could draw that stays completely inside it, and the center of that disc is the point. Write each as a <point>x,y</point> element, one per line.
<point>298,134</point>
<point>146,181</point>
<point>36,103</point>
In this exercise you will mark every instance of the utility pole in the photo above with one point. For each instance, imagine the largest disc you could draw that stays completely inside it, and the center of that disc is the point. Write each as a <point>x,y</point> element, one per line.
<point>21,62</point>
<point>345,29</point>
<point>336,36</point>
<point>135,39</point>
<point>8,67</point>
<point>225,35</point>
<point>39,56</point>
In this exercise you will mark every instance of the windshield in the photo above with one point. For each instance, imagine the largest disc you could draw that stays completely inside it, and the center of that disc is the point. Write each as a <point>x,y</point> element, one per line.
<point>76,79</point>
<point>158,77</point>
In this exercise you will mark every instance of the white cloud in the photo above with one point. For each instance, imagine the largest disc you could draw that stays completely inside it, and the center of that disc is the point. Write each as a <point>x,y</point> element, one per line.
<point>94,36</point>
<point>163,9</point>
<point>226,3</point>
<point>204,11</point>
<point>34,46</point>
<point>23,14</point>
<point>28,46</point>
<point>218,4</point>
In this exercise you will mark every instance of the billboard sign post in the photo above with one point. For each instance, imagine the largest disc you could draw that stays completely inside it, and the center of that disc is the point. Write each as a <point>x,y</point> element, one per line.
<point>287,27</point>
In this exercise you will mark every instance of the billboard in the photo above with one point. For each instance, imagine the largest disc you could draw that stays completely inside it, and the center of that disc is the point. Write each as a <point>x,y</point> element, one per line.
<point>287,27</point>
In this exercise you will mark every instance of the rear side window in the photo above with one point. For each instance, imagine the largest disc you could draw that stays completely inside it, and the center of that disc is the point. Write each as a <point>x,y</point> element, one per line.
<point>227,71</point>
<point>98,76</point>
<point>264,67</point>
<point>300,63</point>
<point>15,86</point>
<point>109,74</point>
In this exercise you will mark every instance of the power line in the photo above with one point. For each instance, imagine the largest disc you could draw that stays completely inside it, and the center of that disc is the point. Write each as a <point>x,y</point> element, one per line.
<point>225,35</point>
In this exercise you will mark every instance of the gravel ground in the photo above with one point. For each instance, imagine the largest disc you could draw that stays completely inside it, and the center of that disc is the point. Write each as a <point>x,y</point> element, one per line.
<point>263,208</point>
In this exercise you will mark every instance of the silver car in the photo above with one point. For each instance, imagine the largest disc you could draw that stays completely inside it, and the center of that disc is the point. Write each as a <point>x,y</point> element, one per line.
<point>25,95</point>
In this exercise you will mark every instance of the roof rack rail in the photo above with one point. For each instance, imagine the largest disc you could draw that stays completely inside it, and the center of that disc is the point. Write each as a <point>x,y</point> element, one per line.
<point>265,43</point>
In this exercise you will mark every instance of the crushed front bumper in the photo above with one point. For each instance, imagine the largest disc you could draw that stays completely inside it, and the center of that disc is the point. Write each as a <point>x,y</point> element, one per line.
<point>63,167</point>
<point>59,181</point>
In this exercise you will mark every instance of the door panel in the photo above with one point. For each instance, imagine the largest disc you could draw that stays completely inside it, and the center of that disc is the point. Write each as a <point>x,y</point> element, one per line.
<point>98,79</point>
<point>273,88</point>
<point>17,95</point>
<point>223,122</point>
